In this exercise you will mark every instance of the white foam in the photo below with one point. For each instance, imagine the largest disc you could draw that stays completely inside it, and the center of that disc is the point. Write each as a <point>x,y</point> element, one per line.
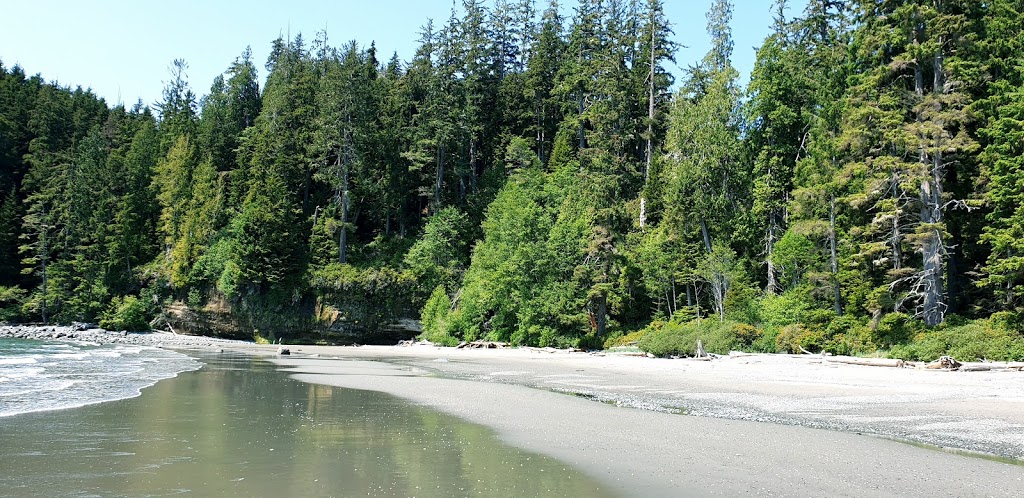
<point>68,378</point>
<point>23,373</point>
<point>106,354</point>
<point>69,356</point>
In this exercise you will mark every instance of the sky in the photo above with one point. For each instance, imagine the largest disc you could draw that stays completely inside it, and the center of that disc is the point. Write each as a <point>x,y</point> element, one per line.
<point>123,49</point>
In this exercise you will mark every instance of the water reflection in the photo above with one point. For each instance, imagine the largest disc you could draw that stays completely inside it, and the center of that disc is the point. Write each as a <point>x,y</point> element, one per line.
<point>239,427</point>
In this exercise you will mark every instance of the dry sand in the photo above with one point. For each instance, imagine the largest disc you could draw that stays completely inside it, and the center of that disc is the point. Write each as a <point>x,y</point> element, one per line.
<point>761,424</point>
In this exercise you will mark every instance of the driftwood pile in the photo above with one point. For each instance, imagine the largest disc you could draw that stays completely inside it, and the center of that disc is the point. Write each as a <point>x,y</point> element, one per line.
<point>411,342</point>
<point>943,363</point>
<point>482,345</point>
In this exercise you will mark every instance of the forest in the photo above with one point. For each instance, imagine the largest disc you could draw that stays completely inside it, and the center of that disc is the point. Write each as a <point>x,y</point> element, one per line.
<point>541,177</point>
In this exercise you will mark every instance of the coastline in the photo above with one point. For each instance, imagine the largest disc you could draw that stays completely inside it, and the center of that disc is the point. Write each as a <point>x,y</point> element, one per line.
<point>764,429</point>
<point>758,426</point>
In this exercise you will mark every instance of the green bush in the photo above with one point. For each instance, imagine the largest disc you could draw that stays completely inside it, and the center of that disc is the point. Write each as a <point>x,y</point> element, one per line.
<point>673,339</point>
<point>590,342</point>
<point>126,313</point>
<point>619,340</point>
<point>785,309</point>
<point>797,338</point>
<point>11,301</point>
<point>434,317</point>
<point>975,341</point>
<point>896,328</point>
<point>767,342</point>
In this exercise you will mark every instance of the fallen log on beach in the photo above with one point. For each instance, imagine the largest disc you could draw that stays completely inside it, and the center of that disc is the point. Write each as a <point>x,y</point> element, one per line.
<point>944,363</point>
<point>482,345</point>
<point>868,362</point>
<point>992,367</point>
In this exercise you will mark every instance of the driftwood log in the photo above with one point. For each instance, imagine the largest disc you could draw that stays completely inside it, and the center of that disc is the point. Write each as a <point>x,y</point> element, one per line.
<point>992,367</point>
<point>700,353</point>
<point>868,362</point>
<point>482,345</point>
<point>944,363</point>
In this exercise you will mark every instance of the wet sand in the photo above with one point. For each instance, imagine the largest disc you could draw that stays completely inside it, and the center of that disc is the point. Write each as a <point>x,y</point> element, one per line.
<point>240,427</point>
<point>656,451</point>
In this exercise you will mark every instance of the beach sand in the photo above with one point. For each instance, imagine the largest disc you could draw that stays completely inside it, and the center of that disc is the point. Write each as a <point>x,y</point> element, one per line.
<point>772,424</point>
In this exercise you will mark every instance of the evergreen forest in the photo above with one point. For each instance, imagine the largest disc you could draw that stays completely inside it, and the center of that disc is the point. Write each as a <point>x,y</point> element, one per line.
<point>542,177</point>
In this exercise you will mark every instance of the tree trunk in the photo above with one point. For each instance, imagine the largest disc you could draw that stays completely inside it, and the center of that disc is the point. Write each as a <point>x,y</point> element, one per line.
<point>343,235</point>
<point>650,127</point>
<point>579,103</point>
<point>472,165</point>
<point>439,181</point>
<point>769,249</point>
<point>305,188</point>
<point>934,306</point>
<point>705,234</point>
<point>45,277</point>
<point>837,294</point>
<point>602,315</point>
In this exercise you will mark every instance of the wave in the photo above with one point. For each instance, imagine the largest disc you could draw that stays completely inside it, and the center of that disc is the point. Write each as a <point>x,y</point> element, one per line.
<point>54,376</point>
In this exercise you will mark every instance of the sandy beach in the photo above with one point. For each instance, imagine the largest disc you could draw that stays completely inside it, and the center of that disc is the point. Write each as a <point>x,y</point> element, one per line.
<point>749,424</point>
<point>774,425</point>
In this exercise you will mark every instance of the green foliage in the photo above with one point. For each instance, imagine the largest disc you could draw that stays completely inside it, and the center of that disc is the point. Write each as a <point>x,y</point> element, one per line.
<point>11,301</point>
<point>795,254</point>
<point>439,256</point>
<point>768,342</point>
<point>785,309</point>
<point>434,315</point>
<point>980,340</point>
<point>718,337</point>
<point>630,339</point>
<point>896,328</point>
<point>797,338</point>
<point>539,184</point>
<point>126,313</point>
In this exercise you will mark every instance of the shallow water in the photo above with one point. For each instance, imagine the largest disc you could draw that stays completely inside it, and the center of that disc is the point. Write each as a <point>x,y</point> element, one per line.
<point>39,376</point>
<point>239,427</point>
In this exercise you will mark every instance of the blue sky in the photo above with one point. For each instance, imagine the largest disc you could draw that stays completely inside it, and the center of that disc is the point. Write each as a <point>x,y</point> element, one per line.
<point>122,48</point>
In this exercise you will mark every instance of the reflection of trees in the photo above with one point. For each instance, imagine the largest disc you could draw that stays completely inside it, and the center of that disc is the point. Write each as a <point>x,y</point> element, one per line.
<point>239,427</point>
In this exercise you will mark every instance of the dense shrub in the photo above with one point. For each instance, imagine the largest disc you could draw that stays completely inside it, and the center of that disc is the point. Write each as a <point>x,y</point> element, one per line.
<point>786,309</point>
<point>11,300</point>
<point>126,313</point>
<point>434,318</point>
<point>896,328</point>
<point>797,338</point>
<point>767,342</point>
<point>975,341</point>
<point>630,339</point>
<point>718,337</point>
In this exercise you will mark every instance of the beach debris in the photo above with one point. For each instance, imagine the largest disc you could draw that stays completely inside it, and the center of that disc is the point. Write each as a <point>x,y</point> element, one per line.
<point>944,363</point>
<point>700,353</point>
<point>869,362</point>
<point>481,345</point>
<point>410,342</point>
<point>283,351</point>
<point>1015,366</point>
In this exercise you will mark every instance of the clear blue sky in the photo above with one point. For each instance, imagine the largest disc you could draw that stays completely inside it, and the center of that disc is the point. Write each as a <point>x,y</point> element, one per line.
<point>122,48</point>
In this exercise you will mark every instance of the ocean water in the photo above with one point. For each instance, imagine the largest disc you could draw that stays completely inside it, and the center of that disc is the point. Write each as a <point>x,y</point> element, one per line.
<point>241,427</point>
<point>39,376</point>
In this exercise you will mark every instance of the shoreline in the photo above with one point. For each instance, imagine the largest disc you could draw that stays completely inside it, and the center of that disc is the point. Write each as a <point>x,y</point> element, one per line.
<point>91,334</point>
<point>976,412</point>
<point>650,453</point>
<point>753,424</point>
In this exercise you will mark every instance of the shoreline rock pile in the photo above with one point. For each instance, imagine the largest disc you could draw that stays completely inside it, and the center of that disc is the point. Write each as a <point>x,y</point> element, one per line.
<point>84,332</point>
